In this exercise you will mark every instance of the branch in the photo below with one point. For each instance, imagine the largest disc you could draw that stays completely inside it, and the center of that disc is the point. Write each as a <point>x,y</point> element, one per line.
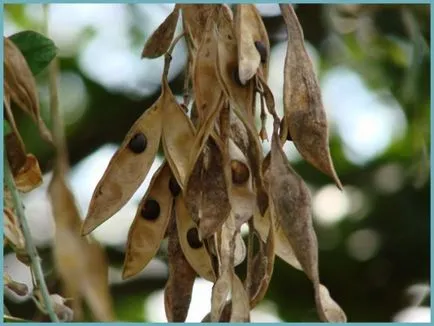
<point>30,247</point>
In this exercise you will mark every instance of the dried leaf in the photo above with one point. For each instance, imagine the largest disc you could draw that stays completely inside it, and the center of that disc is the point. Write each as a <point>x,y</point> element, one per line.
<point>194,249</point>
<point>159,42</point>
<point>12,230</point>
<point>179,287</point>
<point>29,176</point>
<point>20,85</point>
<point>252,40</point>
<point>304,110</point>
<point>127,168</point>
<point>150,223</point>
<point>15,151</point>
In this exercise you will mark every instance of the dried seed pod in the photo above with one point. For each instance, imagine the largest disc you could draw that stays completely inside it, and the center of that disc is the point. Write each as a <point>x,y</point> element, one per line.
<point>206,194</point>
<point>12,229</point>
<point>29,176</point>
<point>304,110</point>
<point>160,40</point>
<point>294,216</point>
<point>240,302</point>
<point>127,168</point>
<point>174,187</point>
<point>178,137</point>
<point>15,151</point>
<point>240,172</point>
<point>20,86</point>
<point>252,40</point>
<point>198,258</point>
<point>150,223</point>
<point>179,286</point>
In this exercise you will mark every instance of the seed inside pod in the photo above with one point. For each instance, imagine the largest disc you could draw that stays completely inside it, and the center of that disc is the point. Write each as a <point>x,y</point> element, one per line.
<point>151,210</point>
<point>236,77</point>
<point>174,187</point>
<point>138,143</point>
<point>193,238</point>
<point>262,51</point>
<point>240,172</point>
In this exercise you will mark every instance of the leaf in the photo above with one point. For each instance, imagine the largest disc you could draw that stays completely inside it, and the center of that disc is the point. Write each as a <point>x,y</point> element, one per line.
<point>29,176</point>
<point>304,110</point>
<point>37,49</point>
<point>194,249</point>
<point>252,42</point>
<point>179,287</point>
<point>20,86</point>
<point>159,42</point>
<point>127,168</point>
<point>150,223</point>
<point>15,151</point>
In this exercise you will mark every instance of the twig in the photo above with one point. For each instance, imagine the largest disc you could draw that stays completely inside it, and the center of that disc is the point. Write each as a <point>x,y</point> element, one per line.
<point>30,247</point>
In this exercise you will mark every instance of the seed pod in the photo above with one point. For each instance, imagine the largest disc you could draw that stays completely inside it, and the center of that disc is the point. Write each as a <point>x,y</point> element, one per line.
<point>240,302</point>
<point>198,258</point>
<point>174,187</point>
<point>304,110</point>
<point>207,196</point>
<point>178,137</point>
<point>160,40</point>
<point>252,40</point>
<point>294,215</point>
<point>179,286</point>
<point>150,223</point>
<point>127,168</point>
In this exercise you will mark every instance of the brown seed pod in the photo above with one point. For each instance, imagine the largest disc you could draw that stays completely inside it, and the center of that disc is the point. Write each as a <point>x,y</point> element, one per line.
<point>127,168</point>
<point>304,110</point>
<point>240,172</point>
<point>240,302</point>
<point>174,187</point>
<point>199,258</point>
<point>159,42</point>
<point>150,223</point>
<point>252,40</point>
<point>291,203</point>
<point>179,286</point>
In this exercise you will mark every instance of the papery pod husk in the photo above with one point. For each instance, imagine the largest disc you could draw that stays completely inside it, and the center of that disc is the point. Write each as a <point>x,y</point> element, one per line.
<point>178,137</point>
<point>150,223</point>
<point>159,42</point>
<point>20,86</point>
<point>240,251</point>
<point>242,195</point>
<point>20,289</point>
<point>199,258</point>
<point>250,29</point>
<point>207,194</point>
<point>127,169</point>
<point>291,203</point>
<point>304,110</point>
<point>223,285</point>
<point>15,151</point>
<point>240,312</point>
<point>179,286</point>
<point>12,230</point>
<point>195,18</point>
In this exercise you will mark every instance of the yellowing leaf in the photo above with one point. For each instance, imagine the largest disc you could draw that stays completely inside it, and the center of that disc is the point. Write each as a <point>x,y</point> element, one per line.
<point>150,223</point>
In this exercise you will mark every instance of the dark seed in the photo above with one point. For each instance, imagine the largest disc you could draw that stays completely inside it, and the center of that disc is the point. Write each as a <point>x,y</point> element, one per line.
<point>193,239</point>
<point>236,77</point>
<point>174,187</point>
<point>240,172</point>
<point>151,210</point>
<point>262,51</point>
<point>138,143</point>
<point>288,136</point>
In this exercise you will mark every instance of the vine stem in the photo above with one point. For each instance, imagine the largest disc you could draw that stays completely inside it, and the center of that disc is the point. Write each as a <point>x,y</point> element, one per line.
<point>30,247</point>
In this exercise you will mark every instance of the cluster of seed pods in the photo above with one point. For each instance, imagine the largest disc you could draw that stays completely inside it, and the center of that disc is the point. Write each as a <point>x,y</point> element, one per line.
<point>215,177</point>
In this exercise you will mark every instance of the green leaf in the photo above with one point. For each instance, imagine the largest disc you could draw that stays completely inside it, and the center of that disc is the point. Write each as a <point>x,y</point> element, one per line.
<point>6,127</point>
<point>36,48</point>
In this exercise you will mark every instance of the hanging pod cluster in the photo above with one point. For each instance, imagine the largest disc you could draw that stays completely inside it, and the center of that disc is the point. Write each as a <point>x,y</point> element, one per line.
<point>215,177</point>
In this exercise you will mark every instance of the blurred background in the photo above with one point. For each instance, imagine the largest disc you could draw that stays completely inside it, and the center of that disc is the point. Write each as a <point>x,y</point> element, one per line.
<point>374,237</point>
